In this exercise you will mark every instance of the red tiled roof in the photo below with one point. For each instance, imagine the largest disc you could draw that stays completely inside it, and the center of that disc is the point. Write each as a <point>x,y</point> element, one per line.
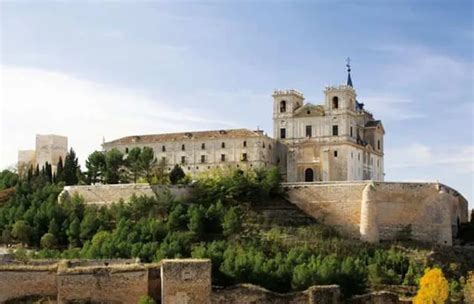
<point>166,137</point>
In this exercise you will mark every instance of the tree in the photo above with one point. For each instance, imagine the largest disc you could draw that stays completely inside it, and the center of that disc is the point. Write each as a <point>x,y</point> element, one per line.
<point>60,171</point>
<point>48,172</point>
<point>22,231</point>
<point>48,241</point>
<point>433,288</point>
<point>114,162</point>
<point>176,174</point>
<point>160,176</point>
<point>96,167</point>
<point>71,168</point>
<point>148,162</point>
<point>73,232</point>
<point>134,163</point>
<point>231,223</point>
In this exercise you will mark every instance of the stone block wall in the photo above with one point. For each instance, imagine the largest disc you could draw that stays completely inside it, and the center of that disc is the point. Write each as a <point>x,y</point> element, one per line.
<point>185,281</point>
<point>19,280</point>
<point>108,194</point>
<point>376,211</point>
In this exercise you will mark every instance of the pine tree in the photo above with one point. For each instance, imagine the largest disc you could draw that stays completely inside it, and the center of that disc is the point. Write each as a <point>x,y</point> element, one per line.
<point>176,175</point>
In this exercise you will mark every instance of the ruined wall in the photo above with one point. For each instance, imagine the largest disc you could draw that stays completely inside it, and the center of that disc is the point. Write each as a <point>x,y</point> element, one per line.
<point>100,283</point>
<point>248,293</point>
<point>185,281</point>
<point>108,194</point>
<point>384,211</point>
<point>34,279</point>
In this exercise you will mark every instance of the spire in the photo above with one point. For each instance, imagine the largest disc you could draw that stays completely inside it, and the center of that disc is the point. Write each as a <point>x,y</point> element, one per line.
<point>348,65</point>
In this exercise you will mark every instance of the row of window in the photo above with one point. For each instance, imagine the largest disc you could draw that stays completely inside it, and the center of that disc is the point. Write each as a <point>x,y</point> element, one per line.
<point>243,158</point>
<point>203,146</point>
<point>309,131</point>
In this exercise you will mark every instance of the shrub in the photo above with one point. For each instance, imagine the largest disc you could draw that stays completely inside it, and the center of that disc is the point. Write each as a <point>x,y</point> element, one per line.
<point>433,288</point>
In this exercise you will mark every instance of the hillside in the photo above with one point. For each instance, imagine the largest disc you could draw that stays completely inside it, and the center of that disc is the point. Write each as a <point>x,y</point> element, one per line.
<point>240,220</point>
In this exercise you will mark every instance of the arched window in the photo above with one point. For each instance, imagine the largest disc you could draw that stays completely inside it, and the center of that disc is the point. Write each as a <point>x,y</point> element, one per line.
<point>282,106</point>
<point>335,102</point>
<point>308,175</point>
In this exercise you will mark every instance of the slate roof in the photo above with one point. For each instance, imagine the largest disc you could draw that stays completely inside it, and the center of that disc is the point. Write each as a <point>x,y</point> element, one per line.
<point>203,135</point>
<point>373,123</point>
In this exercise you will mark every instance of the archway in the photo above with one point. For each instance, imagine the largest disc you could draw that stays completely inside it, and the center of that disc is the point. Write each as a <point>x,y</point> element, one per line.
<point>308,175</point>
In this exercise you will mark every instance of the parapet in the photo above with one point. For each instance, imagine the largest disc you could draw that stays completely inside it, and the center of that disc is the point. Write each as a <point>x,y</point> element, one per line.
<point>287,92</point>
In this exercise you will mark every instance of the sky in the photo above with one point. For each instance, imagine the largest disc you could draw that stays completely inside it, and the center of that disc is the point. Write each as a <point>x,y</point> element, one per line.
<point>95,70</point>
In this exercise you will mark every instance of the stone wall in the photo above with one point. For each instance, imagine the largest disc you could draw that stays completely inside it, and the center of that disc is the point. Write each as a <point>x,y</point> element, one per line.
<point>20,280</point>
<point>248,293</point>
<point>185,281</point>
<point>107,281</point>
<point>108,194</point>
<point>376,211</point>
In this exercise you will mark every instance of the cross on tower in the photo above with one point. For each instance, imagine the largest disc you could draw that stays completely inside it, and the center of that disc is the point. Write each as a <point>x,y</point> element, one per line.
<point>348,65</point>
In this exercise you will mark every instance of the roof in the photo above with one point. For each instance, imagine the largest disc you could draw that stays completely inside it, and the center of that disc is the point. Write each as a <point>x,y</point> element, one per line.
<point>309,110</point>
<point>166,137</point>
<point>373,123</point>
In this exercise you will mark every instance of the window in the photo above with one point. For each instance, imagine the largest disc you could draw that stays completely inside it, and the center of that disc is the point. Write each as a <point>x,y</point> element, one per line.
<point>245,144</point>
<point>263,145</point>
<point>358,156</point>
<point>335,102</point>
<point>351,131</point>
<point>183,147</point>
<point>163,149</point>
<point>352,155</point>
<point>203,158</point>
<point>282,106</point>
<point>126,150</point>
<point>183,159</point>
<point>309,132</point>
<point>223,145</point>
<point>223,157</point>
<point>244,156</point>
<point>282,133</point>
<point>269,147</point>
<point>203,146</point>
<point>378,144</point>
<point>335,130</point>
<point>335,153</point>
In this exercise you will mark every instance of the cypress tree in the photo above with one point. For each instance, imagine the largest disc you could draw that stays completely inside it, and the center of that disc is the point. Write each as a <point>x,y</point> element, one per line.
<point>71,168</point>
<point>60,171</point>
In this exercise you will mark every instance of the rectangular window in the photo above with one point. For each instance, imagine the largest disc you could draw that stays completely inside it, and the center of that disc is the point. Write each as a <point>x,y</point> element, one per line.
<point>282,133</point>
<point>203,158</point>
<point>183,147</point>
<point>203,146</point>
<point>163,149</point>
<point>244,156</point>
<point>183,159</point>
<point>223,145</point>
<point>309,131</point>
<point>378,144</point>
<point>335,153</point>
<point>245,144</point>
<point>351,131</point>
<point>335,130</point>
<point>223,157</point>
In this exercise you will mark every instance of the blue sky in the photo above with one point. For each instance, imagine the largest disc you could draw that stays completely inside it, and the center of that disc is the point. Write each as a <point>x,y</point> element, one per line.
<point>94,69</point>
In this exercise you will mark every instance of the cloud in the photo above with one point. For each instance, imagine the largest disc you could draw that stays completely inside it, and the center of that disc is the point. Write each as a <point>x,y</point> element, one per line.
<point>416,155</point>
<point>36,101</point>
<point>390,107</point>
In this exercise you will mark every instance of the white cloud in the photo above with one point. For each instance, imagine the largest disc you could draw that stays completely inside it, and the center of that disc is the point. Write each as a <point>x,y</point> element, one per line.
<point>35,101</point>
<point>416,155</point>
<point>390,107</point>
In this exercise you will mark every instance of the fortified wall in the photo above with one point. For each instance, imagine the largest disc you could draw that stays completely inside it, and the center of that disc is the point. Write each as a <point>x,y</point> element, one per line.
<point>186,281</point>
<point>108,194</point>
<point>106,281</point>
<point>377,211</point>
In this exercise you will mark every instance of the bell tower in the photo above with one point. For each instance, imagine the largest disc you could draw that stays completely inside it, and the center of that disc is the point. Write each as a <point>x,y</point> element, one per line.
<point>285,102</point>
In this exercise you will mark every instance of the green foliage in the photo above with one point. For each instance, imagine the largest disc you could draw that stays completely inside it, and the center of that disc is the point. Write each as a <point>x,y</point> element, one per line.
<point>8,179</point>
<point>114,160</point>
<point>176,175</point>
<point>71,168</point>
<point>96,166</point>
<point>146,300</point>
<point>214,224</point>
<point>48,241</point>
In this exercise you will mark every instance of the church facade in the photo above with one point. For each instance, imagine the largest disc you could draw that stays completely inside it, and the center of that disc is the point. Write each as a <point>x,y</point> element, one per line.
<point>335,141</point>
